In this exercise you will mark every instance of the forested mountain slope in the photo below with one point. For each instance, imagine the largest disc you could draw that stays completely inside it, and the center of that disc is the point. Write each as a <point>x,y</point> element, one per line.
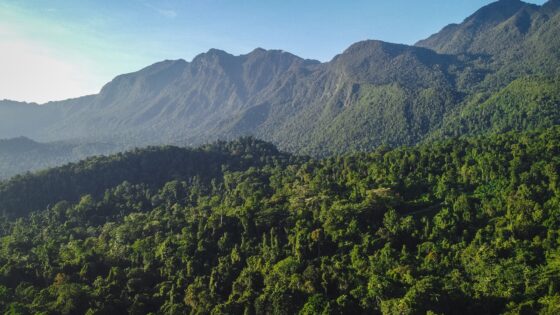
<point>463,226</point>
<point>432,184</point>
<point>527,103</point>
<point>152,166</point>
<point>373,93</point>
<point>270,94</point>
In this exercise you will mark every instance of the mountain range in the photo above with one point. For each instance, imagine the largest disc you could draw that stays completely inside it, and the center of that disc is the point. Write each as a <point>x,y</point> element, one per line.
<point>20,155</point>
<point>462,216</point>
<point>498,70</point>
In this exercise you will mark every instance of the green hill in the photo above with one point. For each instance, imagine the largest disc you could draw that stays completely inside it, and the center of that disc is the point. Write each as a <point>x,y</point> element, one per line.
<point>462,226</point>
<point>20,155</point>
<point>525,104</point>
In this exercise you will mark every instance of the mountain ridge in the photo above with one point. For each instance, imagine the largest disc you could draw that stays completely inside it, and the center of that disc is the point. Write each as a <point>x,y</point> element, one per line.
<point>372,93</point>
<point>517,36</point>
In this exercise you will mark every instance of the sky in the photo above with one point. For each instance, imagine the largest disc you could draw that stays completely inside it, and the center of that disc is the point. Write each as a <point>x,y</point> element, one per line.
<point>58,49</point>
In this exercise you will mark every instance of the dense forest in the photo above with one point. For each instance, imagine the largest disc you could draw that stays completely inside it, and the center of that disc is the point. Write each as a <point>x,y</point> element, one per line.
<point>461,226</point>
<point>392,179</point>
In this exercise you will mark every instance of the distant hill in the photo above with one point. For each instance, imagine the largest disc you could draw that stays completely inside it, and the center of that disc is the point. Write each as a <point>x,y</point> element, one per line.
<point>18,155</point>
<point>151,166</point>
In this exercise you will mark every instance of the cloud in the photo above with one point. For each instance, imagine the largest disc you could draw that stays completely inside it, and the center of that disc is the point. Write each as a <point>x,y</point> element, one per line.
<point>168,13</point>
<point>34,72</point>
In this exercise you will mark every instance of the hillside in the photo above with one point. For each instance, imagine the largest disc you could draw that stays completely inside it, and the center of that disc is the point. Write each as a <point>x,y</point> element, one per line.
<point>518,38</point>
<point>269,94</point>
<point>457,227</point>
<point>527,103</point>
<point>152,167</point>
<point>20,155</point>
<point>372,94</point>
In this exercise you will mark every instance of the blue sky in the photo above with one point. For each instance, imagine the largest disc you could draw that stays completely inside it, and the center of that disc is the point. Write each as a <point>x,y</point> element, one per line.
<point>57,49</point>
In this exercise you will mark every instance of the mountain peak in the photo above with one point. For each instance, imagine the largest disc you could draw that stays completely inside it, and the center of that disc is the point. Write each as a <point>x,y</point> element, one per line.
<point>377,62</point>
<point>215,58</point>
<point>372,45</point>
<point>17,145</point>
<point>261,52</point>
<point>498,11</point>
<point>258,50</point>
<point>552,5</point>
<point>483,31</point>
<point>217,52</point>
<point>379,50</point>
<point>212,54</point>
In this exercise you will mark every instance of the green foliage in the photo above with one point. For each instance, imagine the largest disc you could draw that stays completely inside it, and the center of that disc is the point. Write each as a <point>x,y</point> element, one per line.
<point>456,227</point>
<point>526,104</point>
<point>152,167</point>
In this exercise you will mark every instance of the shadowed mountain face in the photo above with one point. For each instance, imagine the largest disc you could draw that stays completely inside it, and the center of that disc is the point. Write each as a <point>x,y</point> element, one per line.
<point>373,93</point>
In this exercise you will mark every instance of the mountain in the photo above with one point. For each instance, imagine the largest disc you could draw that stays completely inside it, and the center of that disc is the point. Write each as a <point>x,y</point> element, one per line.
<point>372,94</point>
<point>527,103</point>
<point>462,218</point>
<point>96,174</point>
<point>518,37</point>
<point>463,226</point>
<point>520,90</point>
<point>270,94</point>
<point>20,155</point>
<point>19,119</point>
<point>172,98</point>
<point>477,34</point>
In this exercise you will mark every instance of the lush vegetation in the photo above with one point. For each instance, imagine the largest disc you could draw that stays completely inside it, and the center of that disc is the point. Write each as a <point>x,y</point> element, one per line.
<point>527,103</point>
<point>466,225</point>
<point>461,226</point>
